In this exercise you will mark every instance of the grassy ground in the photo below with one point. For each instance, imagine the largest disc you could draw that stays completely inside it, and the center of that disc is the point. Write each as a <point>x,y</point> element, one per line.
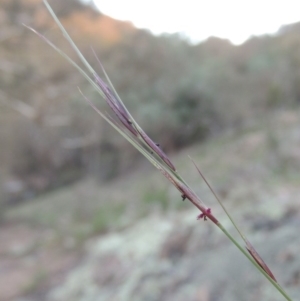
<point>253,159</point>
<point>250,165</point>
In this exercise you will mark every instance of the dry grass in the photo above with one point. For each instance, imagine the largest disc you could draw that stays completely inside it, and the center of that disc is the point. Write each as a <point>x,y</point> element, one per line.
<point>243,166</point>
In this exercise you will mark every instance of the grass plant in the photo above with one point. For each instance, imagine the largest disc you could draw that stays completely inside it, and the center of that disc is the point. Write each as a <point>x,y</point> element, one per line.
<point>125,125</point>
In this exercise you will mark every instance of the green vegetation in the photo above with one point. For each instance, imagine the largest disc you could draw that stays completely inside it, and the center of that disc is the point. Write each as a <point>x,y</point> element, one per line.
<point>180,94</point>
<point>36,282</point>
<point>157,196</point>
<point>107,217</point>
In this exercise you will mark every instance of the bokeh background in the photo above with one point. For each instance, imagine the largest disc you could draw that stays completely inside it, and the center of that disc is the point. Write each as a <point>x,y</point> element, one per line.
<point>85,217</point>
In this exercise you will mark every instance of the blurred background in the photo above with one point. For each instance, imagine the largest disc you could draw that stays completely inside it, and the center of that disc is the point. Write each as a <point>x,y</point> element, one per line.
<point>83,216</point>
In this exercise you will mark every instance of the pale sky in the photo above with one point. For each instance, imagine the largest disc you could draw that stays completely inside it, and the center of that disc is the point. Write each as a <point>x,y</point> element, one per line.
<point>235,20</point>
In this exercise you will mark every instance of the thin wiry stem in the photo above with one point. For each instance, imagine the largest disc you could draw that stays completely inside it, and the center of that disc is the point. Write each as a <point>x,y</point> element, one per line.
<point>249,246</point>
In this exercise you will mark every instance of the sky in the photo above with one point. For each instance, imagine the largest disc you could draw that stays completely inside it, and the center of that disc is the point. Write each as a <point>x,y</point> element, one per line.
<point>235,20</point>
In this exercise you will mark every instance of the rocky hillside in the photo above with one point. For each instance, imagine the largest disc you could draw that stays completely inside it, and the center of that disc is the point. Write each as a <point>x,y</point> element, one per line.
<point>134,239</point>
<point>180,93</point>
